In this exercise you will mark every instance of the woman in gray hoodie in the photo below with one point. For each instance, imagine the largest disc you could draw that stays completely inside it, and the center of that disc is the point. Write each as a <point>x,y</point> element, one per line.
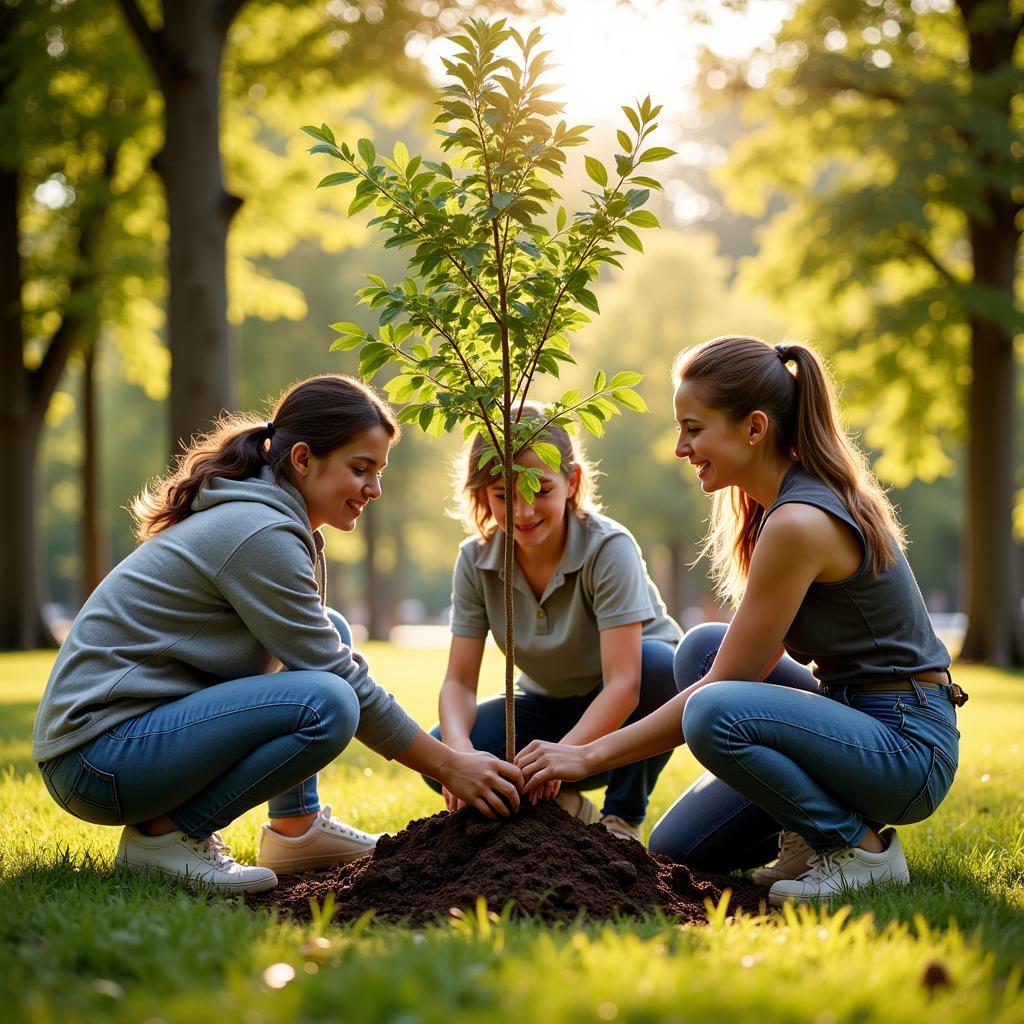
<point>206,673</point>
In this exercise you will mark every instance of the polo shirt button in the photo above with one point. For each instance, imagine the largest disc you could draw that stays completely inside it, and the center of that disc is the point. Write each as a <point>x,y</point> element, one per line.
<point>540,613</point>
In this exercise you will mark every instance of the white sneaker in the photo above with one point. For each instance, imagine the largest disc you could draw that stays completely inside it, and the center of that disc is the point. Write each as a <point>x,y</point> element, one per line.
<point>576,804</point>
<point>837,872</point>
<point>204,861</point>
<point>622,829</point>
<point>794,855</point>
<point>327,843</point>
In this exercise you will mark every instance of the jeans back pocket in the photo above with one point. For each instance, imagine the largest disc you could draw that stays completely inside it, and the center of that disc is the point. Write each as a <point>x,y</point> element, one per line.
<point>82,789</point>
<point>933,792</point>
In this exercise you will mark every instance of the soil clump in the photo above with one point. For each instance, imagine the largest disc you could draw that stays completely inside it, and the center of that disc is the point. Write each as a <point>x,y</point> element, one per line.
<point>550,865</point>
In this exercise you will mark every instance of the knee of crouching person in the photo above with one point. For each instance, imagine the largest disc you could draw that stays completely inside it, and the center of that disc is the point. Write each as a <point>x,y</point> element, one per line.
<point>340,714</point>
<point>701,716</point>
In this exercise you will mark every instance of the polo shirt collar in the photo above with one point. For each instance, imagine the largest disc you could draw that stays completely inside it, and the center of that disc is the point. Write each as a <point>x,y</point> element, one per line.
<point>491,554</point>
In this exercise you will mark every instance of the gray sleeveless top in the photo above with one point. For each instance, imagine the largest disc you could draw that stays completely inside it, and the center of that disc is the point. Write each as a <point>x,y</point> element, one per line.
<point>867,628</point>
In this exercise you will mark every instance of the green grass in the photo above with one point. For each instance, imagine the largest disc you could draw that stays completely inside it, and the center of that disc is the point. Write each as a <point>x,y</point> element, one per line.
<point>82,942</point>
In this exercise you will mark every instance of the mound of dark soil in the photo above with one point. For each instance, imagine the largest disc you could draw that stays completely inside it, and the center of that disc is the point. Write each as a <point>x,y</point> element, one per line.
<point>550,865</point>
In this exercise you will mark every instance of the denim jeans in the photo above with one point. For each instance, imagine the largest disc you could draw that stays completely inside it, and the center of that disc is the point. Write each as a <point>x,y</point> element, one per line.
<point>550,718</point>
<point>207,758</point>
<point>782,755</point>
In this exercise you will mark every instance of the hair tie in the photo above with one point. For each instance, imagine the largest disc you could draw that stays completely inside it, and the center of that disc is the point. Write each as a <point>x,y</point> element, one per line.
<point>270,428</point>
<point>782,351</point>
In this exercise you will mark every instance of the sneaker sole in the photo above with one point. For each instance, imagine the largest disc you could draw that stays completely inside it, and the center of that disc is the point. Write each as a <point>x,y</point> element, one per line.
<point>259,885</point>
<point>778,899</point>
<point>297,867</point>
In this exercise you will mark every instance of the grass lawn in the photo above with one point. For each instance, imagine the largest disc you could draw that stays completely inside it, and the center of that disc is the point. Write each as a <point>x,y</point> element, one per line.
<point>81,942</point>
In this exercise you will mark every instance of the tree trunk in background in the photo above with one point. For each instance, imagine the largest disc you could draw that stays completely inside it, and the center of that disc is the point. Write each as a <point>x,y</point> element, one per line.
<point>21,621</point>
<point>94,547</point>
<point>375,628</point>
<point>186,57</point>
<point>995,633</point>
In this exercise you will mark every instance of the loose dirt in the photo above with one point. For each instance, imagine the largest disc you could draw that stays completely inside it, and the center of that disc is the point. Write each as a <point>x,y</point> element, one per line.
<point>550,865</point>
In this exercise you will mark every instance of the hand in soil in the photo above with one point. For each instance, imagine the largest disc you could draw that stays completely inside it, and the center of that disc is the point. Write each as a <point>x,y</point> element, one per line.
<point>483,781</point>
<point>544,762</point>
<point>548,791</point>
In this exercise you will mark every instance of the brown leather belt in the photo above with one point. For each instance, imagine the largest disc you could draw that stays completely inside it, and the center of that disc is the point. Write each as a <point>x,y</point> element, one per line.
<point>950,690</point>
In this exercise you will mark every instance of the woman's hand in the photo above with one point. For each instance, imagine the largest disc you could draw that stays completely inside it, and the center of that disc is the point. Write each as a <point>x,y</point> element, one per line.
<point>543,762</point>
<point>483,781</point>
<point>451,802</point>
<point>548,791</point>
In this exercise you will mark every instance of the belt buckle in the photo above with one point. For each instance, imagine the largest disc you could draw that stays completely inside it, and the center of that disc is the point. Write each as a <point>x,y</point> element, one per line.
<point>957,695</point>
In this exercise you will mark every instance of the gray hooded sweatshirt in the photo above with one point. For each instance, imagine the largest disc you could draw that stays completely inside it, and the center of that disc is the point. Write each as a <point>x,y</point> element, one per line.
<point>237,589</point>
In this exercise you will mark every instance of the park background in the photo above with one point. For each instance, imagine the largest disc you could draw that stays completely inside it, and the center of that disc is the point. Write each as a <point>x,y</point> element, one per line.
<point>838,167</point>
<point>847,172</point>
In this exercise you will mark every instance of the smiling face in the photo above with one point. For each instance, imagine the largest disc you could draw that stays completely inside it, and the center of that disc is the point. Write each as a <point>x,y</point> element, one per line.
<point>722,452</point>
<point>539,526</point>
<point>337,487</point>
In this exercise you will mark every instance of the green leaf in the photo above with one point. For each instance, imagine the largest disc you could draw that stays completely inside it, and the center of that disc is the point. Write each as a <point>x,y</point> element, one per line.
<point>401,155</point>
<point>626,379</point>
<point>488,456</point>
<point>600,380</point>
<point>654,154</point>
<point>367,150</point>
<point>644,219</point>
<point>596,170</point>
<point>624,141</point>
<point>338,178</point>
<point>360,203</point>
<point>548,454</point>
<point>345,327</point>
<point>591,422</point>
<point>633,119</point>
<point>588,299</point>
<point>646,182</point>
<point>630,237</point>
<point>560,218</point>
<point>347,342</point>
<point>630,399</point>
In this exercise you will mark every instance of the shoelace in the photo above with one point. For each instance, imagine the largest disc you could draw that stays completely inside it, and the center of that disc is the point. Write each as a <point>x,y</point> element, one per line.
<point>821,865</point>
<point>340,827</point>
<point>789,844</point>
<point>213,850</point>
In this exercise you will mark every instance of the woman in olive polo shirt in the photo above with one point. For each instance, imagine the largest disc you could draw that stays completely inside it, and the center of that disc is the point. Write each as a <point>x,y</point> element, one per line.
<point>594,644</point>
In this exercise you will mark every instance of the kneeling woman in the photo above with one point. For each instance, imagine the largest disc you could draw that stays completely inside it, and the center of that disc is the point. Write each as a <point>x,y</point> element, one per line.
<point>205,674</point>
<point>593,641</point>
<point>805,541</point>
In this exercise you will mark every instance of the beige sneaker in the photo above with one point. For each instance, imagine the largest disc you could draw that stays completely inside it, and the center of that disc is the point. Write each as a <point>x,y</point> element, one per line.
<point>794,854</point>
<point>620,828</point>
<point>326,843</point>
<point>576,804</point>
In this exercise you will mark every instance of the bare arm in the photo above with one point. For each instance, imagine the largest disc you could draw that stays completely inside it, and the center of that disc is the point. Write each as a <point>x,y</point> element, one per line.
<point>790,554</point>
<point>475,777</point>
<point>620,693</point>
<point>457,701</point>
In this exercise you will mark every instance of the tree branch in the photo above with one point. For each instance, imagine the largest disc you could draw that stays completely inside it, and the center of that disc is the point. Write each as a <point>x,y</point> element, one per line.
<point>923,250</point>
<point>149,39</point>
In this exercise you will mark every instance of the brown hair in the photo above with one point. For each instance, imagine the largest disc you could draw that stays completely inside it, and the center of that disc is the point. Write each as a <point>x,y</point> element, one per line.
<point>737,375</point>
<point>326,412</point>
<point>471,482</point>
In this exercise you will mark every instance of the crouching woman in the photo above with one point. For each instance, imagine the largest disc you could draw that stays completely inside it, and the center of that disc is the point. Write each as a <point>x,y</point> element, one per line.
<point>806,542</point>
<point>206,675</point>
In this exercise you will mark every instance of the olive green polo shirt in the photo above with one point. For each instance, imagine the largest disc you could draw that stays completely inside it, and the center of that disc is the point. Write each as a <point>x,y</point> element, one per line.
<point>601,582</point>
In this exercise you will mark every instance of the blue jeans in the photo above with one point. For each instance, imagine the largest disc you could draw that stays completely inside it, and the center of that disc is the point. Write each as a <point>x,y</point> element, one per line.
<point>207,758</point>
<point>786,756</point>
<point>550,718</point>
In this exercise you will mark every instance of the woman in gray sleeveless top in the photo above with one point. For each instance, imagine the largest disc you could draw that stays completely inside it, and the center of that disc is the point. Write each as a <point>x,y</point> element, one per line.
<point>809,549</point>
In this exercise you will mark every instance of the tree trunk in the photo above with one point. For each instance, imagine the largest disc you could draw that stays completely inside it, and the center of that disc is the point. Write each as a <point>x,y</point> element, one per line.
<point>994,630</point>
<point>21,621</point>
<point>995,633</point>
<point>94,548</point>
<point>375,627</point>
<point>199,211</point>
<point>185,55</point>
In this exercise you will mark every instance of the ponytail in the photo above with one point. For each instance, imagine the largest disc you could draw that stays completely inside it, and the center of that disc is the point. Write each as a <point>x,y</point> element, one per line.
<point>326,412</point>
<point>739,374</point>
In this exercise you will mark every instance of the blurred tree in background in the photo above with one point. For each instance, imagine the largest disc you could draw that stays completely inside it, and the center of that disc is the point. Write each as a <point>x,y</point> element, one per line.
<point>894,131</point>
